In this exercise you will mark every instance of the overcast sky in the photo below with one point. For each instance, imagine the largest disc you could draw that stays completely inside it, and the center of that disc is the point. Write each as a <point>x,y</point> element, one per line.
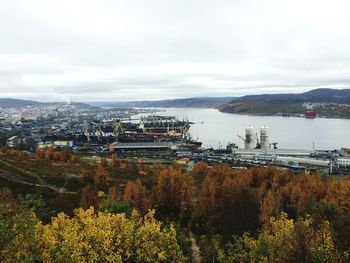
<point>156,49</point>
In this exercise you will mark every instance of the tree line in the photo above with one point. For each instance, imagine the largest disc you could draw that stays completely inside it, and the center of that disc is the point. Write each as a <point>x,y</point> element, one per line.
<point>240,209</point>
<point>253,215</point>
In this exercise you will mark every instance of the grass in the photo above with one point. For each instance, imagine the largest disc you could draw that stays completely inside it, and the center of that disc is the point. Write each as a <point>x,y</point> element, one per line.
<point>61,174</point>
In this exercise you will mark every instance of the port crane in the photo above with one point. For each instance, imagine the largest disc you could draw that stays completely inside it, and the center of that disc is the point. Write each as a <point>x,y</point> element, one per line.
<point>239,136</point>
<point>274,145</point>
<point>118,129</point>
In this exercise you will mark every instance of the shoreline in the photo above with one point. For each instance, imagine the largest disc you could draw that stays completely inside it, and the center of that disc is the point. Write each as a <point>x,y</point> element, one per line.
<point>248,114</point>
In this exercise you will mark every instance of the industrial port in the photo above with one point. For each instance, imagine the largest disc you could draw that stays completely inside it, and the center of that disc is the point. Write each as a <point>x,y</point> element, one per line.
<point>257,151</point>
<point>143,134</point>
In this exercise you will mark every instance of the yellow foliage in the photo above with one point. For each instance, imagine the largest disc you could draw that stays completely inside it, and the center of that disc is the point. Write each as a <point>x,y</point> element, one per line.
<point>106,237</point>
<point>290,241</point>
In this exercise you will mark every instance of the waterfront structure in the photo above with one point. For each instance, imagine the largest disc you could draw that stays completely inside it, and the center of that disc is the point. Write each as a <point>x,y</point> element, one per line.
<point>141,146</point>
<point>249,138</point>
<point>264,138</point>
<point>13,141</point>
<point>281,152</point>
<point>343,161</point>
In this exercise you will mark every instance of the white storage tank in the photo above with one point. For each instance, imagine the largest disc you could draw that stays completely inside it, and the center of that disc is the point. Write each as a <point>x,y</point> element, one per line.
<point>264,137</point>
<point>249,138</point>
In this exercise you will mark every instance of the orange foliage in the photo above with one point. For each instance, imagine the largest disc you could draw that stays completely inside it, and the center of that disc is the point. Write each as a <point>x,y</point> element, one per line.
<point>200,169</point>
<point>101,177</point>
<point>114,162</point>
<point>228,197</point>
<point>174,190</point>
<point>294,194</point>
<point>103,162</point>
<point>113,193</point>
<point>89,197</point>
<point>137,193</point>
<point>50,154</point>
<point>304,190</point>
<point>338,193</point>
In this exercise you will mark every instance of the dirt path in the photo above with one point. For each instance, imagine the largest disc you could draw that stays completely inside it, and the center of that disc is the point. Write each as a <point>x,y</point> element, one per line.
<point>24,179</point>
<point>196,255</point>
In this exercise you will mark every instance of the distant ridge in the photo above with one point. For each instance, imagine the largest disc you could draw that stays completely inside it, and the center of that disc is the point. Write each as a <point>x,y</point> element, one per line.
<point>316,95</point>
<point>269,104</point>
<point>19,103</point>
<point>200,102</point>
<point>264,104</point>
<point>255,104</point>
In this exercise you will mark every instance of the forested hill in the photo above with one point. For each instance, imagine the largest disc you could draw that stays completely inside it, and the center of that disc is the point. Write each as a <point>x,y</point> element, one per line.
<point>265,104</point>
<point>316,95</point>
<point>60,205</point>
<point>268,104</point>
<point>203,102</point>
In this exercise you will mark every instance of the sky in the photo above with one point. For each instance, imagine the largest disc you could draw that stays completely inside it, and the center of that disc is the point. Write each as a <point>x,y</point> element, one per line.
<point>83,50</point>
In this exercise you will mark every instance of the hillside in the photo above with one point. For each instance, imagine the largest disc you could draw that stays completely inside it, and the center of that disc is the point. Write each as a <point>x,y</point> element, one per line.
<point>337,100</point>
<point>270,104</point>
<point>60,205</point>
<point>203,102</point>
<point>18,103</point>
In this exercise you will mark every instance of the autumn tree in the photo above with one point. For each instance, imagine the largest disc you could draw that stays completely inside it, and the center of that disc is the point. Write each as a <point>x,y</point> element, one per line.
<point>173,192</point>
<point>114,162</point>
<point>283,240</point>
<point>49,153</point>
<point>17,225</point>
<point>89,197</point>
<point>272,191</point>
<point>101,177</point>
<point>39,154</point>
<point>294,194</point>
<point>103,162</point>
<point>200,171</point>
<point>137,194</point>
<point>84,175</point>
<point>300,240</point>
<point>227,197</point>
<point>304,191</point>
<point>113,193</point>
<point>338,193</point>
<point>106,237</point>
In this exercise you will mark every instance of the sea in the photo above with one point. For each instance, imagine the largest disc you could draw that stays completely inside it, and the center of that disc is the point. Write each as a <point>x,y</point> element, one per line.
<point>216,129</point>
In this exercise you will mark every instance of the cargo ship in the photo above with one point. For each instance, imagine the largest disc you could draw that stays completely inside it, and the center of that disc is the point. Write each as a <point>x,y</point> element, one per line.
<point>151,132</point>
<point>145,137</point>
<point>310,115</point>
<point>156,129</point>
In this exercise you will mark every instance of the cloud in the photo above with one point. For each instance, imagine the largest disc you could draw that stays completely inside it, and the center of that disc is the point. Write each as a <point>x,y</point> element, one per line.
<point>127,50</point>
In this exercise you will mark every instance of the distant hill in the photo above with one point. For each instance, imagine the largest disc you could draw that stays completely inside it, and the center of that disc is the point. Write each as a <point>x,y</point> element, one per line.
<point>18,103</point>
<point>316,95</point>
<point>15,103</point>
<point>265,104</point>
<point>203,102</point>
<point>269,104</point>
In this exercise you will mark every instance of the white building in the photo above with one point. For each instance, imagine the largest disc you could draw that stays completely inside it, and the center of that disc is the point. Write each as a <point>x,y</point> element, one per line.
<point>343,161</point>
